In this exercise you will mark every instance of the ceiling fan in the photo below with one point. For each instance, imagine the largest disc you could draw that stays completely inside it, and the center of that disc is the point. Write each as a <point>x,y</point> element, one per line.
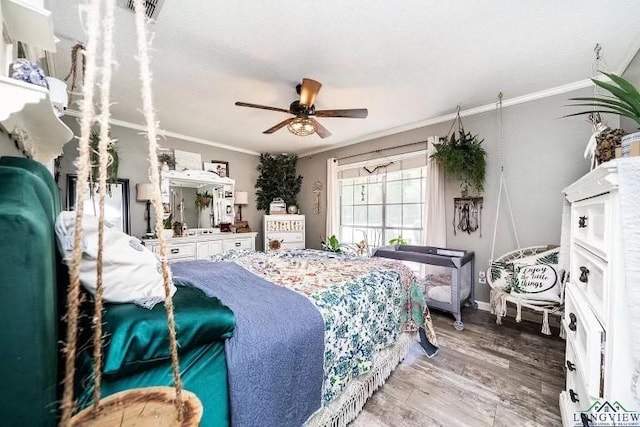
<point>303,123</point>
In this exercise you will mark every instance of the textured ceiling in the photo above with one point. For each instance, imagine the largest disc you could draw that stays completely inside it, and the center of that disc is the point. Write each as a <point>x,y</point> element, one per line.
<point>405,61</point>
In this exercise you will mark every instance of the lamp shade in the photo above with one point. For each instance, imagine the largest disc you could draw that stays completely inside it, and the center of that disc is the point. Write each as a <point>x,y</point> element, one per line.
<point>144,191</point>
<point>241,198</point>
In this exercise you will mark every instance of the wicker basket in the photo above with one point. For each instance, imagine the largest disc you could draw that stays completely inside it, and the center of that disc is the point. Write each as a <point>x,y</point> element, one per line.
<point>142,407</point>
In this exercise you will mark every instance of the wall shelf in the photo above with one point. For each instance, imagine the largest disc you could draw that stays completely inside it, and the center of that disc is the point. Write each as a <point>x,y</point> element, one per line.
<point>27,107</point>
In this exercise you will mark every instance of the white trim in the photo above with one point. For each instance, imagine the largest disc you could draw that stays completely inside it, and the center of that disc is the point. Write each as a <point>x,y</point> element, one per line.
<point>469,112</point>
<point>484,306</point>
<point>384,159</point>
<point>166,133</point>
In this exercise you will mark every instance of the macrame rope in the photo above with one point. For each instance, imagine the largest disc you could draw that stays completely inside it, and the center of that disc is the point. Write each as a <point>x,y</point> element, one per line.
<point>154,175</point>
<point>103,155</point>
<point>503,186</point>
<point>83,166</point>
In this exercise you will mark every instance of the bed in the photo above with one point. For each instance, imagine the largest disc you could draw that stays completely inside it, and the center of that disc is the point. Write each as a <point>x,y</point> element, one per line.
<point>288,338</point>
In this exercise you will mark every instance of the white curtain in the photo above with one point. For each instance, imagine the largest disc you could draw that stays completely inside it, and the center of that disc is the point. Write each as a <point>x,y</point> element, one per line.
<point>333,199</point>
<point>435,223</point>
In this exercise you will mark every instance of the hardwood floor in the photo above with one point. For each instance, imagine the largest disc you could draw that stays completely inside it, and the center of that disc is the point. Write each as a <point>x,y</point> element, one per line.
<point>487,375</point>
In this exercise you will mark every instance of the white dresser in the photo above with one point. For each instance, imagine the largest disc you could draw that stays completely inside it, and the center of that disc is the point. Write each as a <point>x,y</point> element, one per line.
<point>598,361</point>
<point>287,229</point>
<point>203,246</point>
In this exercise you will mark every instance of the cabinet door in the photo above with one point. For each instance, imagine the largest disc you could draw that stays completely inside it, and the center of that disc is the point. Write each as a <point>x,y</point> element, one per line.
<point>207,249</point>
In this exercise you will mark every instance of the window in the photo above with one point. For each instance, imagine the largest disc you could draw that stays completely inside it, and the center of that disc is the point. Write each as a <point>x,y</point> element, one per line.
<point>383,207</point>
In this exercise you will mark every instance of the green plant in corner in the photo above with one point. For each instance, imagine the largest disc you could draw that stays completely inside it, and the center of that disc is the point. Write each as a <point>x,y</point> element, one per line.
<point>398,241</point>
<point>623,101</point>
<point>463,157</point>
<point>331,244</point>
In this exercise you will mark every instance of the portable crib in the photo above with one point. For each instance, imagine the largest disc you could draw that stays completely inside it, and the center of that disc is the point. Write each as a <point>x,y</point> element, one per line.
<point>445,275</point>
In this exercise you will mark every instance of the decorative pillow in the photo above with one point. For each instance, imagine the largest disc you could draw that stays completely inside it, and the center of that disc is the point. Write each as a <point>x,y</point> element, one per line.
<point>501,274</point>
<point>131,272</point>
<point>538,282</point>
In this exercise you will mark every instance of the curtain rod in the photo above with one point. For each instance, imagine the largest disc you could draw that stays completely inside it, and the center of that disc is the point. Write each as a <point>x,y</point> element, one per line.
<point>381,149</point>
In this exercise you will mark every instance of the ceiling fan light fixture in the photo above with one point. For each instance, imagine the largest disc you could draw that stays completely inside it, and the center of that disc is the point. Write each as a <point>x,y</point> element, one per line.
<point>302,127</point>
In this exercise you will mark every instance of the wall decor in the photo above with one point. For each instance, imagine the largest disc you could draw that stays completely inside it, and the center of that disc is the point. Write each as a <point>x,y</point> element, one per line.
<point>277,179</point>
<point>186,160</point>
<point>467,214</point>
<point>317,193</point>
<point>116,204</point>
<point>218,166</point>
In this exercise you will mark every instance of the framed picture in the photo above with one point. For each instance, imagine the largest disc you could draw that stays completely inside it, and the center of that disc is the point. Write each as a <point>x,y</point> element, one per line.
<point>186,160</point>
<point>218,166</point>
<point>116,207</point>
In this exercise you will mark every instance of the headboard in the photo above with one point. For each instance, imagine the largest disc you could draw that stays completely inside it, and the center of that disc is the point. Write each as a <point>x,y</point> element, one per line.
<point>29,204</point>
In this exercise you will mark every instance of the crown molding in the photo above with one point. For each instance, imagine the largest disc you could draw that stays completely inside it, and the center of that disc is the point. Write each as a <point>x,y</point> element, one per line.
<point>463,113</point>
<point>167,133</point>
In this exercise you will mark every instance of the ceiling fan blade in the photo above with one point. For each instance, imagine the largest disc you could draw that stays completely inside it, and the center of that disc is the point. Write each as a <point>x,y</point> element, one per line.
<point>308,91</point>
<point>262,107</point>
<point>320,130</point>
<point>354,113</point>
<point>279,125</point>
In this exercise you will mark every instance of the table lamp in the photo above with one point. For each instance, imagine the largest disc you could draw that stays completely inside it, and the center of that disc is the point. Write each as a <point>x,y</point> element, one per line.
<point>241,198</point>
<point>144,192</point>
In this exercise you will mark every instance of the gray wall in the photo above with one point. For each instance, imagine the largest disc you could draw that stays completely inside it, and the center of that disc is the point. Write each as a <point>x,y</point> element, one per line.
<point>543,154</point>
<point>132,149</point>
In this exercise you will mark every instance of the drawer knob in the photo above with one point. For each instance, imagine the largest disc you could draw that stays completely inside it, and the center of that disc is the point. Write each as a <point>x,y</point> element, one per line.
<point>175,251</point>
<point>585,420</point>
<point>573,395</point>
<point>572,321</point>
<point>582,222</point>
<point>238,244</point>
<point>571,366</point>
<point>584,274</point>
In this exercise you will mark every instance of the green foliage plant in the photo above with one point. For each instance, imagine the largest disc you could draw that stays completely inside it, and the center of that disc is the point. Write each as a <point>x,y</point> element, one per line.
<point>623,101</point>
<point>277,179</point>
<point>462,156</point>
<point>331,244</point>
<point>398,241</point>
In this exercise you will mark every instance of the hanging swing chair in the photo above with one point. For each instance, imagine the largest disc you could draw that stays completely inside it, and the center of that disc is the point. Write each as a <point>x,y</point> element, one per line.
<point>500,295</point>
<point>150,406</point>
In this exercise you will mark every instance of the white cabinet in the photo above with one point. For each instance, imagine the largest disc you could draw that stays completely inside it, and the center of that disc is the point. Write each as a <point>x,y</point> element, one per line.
<point>203,246</point>
<point>287,230</point>
<point>598,362</point>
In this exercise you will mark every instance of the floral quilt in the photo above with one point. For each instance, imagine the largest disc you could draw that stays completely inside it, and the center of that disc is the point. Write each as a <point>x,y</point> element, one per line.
<point>365,304</point>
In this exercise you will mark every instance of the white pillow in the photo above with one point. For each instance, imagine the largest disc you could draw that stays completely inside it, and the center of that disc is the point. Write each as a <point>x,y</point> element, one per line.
<point>131,272</point>
<point>539,282</point>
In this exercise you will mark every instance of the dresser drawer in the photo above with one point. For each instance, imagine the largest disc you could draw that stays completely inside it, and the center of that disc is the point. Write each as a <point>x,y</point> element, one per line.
<point>209,248</point>
<point>590,388</point>
<point>590,225</point>
<point>175,251</point>
<point>585,338</point>
<point>589,274</point>
<point>291,237</point>
<point>236,244</point>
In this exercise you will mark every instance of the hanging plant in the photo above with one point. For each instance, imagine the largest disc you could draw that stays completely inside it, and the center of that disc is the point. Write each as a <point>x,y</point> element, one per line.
<point>277,179</point>
<point>203,200</point>
<point>461,155</point>
<point>113,161</point>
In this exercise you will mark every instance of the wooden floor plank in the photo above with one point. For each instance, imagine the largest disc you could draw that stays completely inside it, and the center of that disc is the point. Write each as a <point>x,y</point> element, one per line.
<point>487,375</point>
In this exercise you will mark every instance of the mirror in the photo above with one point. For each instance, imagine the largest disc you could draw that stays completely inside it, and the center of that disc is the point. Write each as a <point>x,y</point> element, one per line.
<point>116,209</point>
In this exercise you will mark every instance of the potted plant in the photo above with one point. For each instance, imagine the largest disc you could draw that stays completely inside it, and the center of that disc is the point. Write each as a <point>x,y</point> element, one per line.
<point>167,223</point>
<point>167,161</point>
<point>331,244</point>
<point>623,101</point>
<point>463,157</point>
<point>113,161</point>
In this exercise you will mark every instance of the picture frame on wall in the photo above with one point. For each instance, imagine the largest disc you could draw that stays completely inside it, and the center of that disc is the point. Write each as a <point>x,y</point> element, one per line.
<point>218,166</point>
<point>186,160</point>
